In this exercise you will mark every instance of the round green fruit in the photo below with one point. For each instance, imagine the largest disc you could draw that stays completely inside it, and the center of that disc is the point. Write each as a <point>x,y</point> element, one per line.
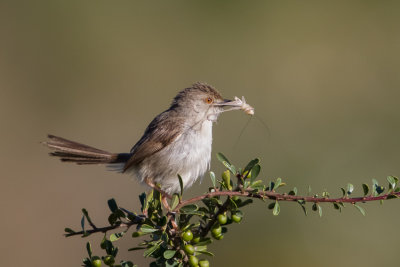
<point>222,219</point>
<point>187,235</point>
<point>189,249</point>
<point>109,260</point>
<point>236,218</point>
<point>219,237</point>
<point>193,261</point>
<point>204,263</point>
<point>216,231</point>
<point>96,262</point>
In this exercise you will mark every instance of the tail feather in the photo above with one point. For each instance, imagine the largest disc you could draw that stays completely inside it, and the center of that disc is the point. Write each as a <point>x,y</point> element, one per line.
<point>70,151</point>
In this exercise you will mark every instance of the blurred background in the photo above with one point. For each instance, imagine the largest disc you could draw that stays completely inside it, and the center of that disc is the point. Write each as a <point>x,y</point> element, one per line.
<point>323,76</point>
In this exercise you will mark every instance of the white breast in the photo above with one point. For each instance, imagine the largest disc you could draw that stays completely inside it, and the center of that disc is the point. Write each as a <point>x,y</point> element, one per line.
<point>189,156</point>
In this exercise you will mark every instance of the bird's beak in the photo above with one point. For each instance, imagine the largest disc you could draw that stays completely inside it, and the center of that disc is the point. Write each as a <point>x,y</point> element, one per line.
<point>227,103</point>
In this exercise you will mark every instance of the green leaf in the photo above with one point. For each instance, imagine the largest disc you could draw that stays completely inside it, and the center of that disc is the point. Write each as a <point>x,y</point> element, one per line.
<point>350,189</point>
<point>152,249</point>
<point>222,158</point>
<point>136,248</point>
<point>337,207</point>
<point>343,191</point>
<point>250,165</point>
<point>192,209</point>
<point>89,249</point>
<point>180,184</point>
<point>276,209</point>
<point>392,196</point>
<point>204,242</point>
<point>360,209</point>
<point>365,189</point>
<point>112,204</point>
<point>174,201</point>
<point>213,180</point>
<point>169,254</point>
<point>226,163</point>
<point>293,192</point>
<point>116,236</point>
<point>392,182</point>
<point>255,171</point>
<point>320,210</point>
<point>303,207</point>
<point>69,230</point>
<point>83,224</point>
<point>374,186</point>
<point>206,253</point>
<point>145,228</point>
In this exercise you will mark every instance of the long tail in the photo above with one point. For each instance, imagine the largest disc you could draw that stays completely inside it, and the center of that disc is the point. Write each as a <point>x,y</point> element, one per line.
<point>70,151</point>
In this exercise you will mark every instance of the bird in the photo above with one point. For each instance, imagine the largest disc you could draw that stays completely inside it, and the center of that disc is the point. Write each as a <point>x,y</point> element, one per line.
<point>177,141</point>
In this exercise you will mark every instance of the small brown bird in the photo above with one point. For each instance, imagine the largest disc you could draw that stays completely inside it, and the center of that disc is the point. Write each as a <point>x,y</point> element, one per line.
<point>177,141</point>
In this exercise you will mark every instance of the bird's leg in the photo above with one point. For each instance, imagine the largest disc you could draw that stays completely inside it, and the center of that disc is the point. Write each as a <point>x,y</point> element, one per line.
<point>164,195</point>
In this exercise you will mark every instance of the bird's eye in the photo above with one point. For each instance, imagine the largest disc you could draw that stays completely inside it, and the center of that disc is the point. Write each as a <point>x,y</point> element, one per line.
<point>209,100</point>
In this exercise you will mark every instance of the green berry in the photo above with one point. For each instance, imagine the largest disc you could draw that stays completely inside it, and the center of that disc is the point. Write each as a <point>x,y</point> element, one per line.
<point>216,231</point>
<point>187,235</point>
<point>193,261</point>
<point>96,262</point>
<point>189,249</point>
<point>109,260</point>
<point>222,219</point>
<point>236,218</point>
<point>219,237</point>
<point>204,263</point>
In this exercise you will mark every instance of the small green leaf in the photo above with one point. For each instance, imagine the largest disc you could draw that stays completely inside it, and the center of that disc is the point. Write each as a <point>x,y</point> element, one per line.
<point>180,183</point>
<point>250,165</point>
<point>174,201</point>
<point>226,163</point>
<point>152,249</point>
<point>169,254</point>
<point>365,189</point>
<point>343,191</point>
<point>337,207</point>
<point>277,209</point>
<point>380,189</point>
<point>293,192</point>
<point>112,204</point>
<point>83,224</point>
<point>206,253</point>
<point>69,230</point>
<point>255,171</point>
<point>189,208</point>
<point>350,189</point>
<point>116,236</point>
<point>89,249</point>
<point>145,228</point>
<point>213,180</point>
<point>302,205</point>
<point>222,158</point>
<point>320,210</point>
<point>360,209</point>
<point>392,182</point>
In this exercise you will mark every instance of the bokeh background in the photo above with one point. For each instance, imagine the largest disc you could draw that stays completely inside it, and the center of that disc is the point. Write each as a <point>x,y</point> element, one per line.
<point>324,76</point>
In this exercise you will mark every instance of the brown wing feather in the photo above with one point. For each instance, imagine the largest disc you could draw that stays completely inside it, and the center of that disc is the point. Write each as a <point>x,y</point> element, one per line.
<point>161,132</point>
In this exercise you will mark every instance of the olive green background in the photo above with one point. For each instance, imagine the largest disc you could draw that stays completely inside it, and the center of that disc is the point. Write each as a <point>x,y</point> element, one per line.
<point>322,75</point>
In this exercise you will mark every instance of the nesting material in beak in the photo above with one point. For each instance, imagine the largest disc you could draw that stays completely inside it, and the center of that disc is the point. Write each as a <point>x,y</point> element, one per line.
<point>237,104</point>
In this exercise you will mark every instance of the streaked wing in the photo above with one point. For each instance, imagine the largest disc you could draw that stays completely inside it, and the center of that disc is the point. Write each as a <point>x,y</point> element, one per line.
<point>161,132</point>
